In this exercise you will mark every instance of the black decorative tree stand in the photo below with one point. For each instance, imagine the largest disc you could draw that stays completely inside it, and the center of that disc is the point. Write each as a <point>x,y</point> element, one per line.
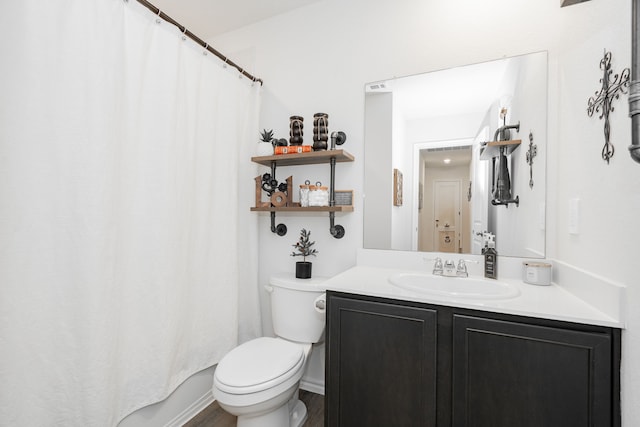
<point>303,248</point>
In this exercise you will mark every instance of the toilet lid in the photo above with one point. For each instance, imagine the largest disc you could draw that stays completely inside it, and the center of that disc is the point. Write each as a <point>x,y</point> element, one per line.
<point>258,364</point>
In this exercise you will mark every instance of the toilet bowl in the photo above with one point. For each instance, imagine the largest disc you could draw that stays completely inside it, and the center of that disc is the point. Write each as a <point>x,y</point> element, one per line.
<point>258,381</point>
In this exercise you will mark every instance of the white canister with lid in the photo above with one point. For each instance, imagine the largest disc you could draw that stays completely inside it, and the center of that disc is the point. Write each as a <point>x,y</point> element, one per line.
<point>318,195</point>
<point>536,273</point>
<point>304,194</point>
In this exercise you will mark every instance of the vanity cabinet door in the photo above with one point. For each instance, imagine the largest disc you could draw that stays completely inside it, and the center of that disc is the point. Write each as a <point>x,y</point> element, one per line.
<point>509,374</point>
<point>380,365</point>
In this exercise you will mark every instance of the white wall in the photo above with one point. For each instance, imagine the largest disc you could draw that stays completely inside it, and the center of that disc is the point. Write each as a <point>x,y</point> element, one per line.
<point>402,159</point>
<point>379,107</point>
<point>525,220</point>
<point>317,59</point>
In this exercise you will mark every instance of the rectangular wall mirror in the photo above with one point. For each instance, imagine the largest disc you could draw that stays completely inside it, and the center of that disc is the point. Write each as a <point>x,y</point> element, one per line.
<point>441,131</point>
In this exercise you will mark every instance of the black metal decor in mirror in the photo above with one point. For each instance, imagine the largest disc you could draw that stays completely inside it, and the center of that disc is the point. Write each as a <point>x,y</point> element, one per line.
<point>601,102</point>
<point>501,189</point>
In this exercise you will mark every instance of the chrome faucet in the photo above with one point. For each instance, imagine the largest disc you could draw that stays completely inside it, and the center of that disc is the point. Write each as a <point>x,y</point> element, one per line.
<point>449,268</point>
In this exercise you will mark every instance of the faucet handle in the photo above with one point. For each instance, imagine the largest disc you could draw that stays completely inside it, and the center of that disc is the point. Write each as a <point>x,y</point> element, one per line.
<point>437,266</point>
<point>436,260</point>
<point>461,270</point>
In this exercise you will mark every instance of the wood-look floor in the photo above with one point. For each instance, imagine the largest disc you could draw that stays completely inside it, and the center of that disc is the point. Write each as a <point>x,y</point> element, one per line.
<point>214,416</point>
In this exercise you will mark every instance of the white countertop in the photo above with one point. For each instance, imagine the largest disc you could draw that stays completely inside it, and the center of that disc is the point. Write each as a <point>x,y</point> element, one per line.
<point>549,302</point>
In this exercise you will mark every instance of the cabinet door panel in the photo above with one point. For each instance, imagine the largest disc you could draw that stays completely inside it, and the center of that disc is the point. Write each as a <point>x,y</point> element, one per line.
<point>512,374</point>
<point>381,364</point>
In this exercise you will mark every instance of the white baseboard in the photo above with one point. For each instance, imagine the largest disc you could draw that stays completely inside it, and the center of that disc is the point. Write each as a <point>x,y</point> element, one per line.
<point>194,409</point>
<point>312,386</point>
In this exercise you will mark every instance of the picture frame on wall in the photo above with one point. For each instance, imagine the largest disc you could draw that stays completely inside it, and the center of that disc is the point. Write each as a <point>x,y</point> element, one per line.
<point>397,187</point>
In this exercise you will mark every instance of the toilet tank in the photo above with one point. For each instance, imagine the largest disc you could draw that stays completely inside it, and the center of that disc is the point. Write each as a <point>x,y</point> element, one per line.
<point>293,311</point>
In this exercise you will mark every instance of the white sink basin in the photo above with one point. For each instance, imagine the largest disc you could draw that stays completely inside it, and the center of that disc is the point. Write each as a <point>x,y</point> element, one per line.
<point>454,287</point>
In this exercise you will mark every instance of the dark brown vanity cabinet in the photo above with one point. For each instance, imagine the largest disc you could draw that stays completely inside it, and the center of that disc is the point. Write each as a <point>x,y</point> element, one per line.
<point>508,373</point>
<point>395,363</point>
<point>381,364</point>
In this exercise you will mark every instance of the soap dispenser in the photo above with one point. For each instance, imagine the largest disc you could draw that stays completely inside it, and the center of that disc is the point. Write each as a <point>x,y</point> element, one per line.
<point>490,259</point>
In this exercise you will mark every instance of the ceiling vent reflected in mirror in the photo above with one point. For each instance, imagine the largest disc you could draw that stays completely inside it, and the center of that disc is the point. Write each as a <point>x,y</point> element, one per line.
<point>382,86</point>
<point>446,156</point>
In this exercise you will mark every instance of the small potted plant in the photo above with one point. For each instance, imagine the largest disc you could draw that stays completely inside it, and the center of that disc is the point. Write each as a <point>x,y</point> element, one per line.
<point>267,136</point>
<point>303,248</point>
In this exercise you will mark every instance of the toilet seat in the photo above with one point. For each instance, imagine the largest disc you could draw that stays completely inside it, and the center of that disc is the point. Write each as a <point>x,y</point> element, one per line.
<point>258,365</point>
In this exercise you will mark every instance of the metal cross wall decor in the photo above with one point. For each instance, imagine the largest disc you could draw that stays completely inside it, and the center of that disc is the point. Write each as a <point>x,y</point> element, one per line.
<point>531,153</point>
<point>601,102</point>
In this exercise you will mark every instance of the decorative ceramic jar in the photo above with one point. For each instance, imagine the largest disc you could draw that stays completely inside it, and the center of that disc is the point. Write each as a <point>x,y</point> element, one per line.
<point>296,130</point>
<point>320,131</point>
<point>304,194</point>
<point>318,195</point>
<point>536,273</point>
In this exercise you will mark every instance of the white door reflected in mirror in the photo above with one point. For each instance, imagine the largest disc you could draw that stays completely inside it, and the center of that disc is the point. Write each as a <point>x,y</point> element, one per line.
<point>446,206</point>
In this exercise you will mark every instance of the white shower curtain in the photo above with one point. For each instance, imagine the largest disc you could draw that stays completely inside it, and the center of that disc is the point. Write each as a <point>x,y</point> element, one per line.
<point>127,249</point>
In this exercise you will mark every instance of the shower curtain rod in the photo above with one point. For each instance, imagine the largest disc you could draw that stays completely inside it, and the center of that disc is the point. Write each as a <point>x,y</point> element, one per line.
<point>197,39</point>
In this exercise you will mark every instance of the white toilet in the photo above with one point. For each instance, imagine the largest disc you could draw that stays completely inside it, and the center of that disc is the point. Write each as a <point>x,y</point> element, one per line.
<point>258,381</point>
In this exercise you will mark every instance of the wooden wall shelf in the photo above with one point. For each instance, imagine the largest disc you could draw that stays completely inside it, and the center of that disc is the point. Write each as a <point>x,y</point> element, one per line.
<point>301,209</point>
<point>492,149</point>
<point>313,157</point>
